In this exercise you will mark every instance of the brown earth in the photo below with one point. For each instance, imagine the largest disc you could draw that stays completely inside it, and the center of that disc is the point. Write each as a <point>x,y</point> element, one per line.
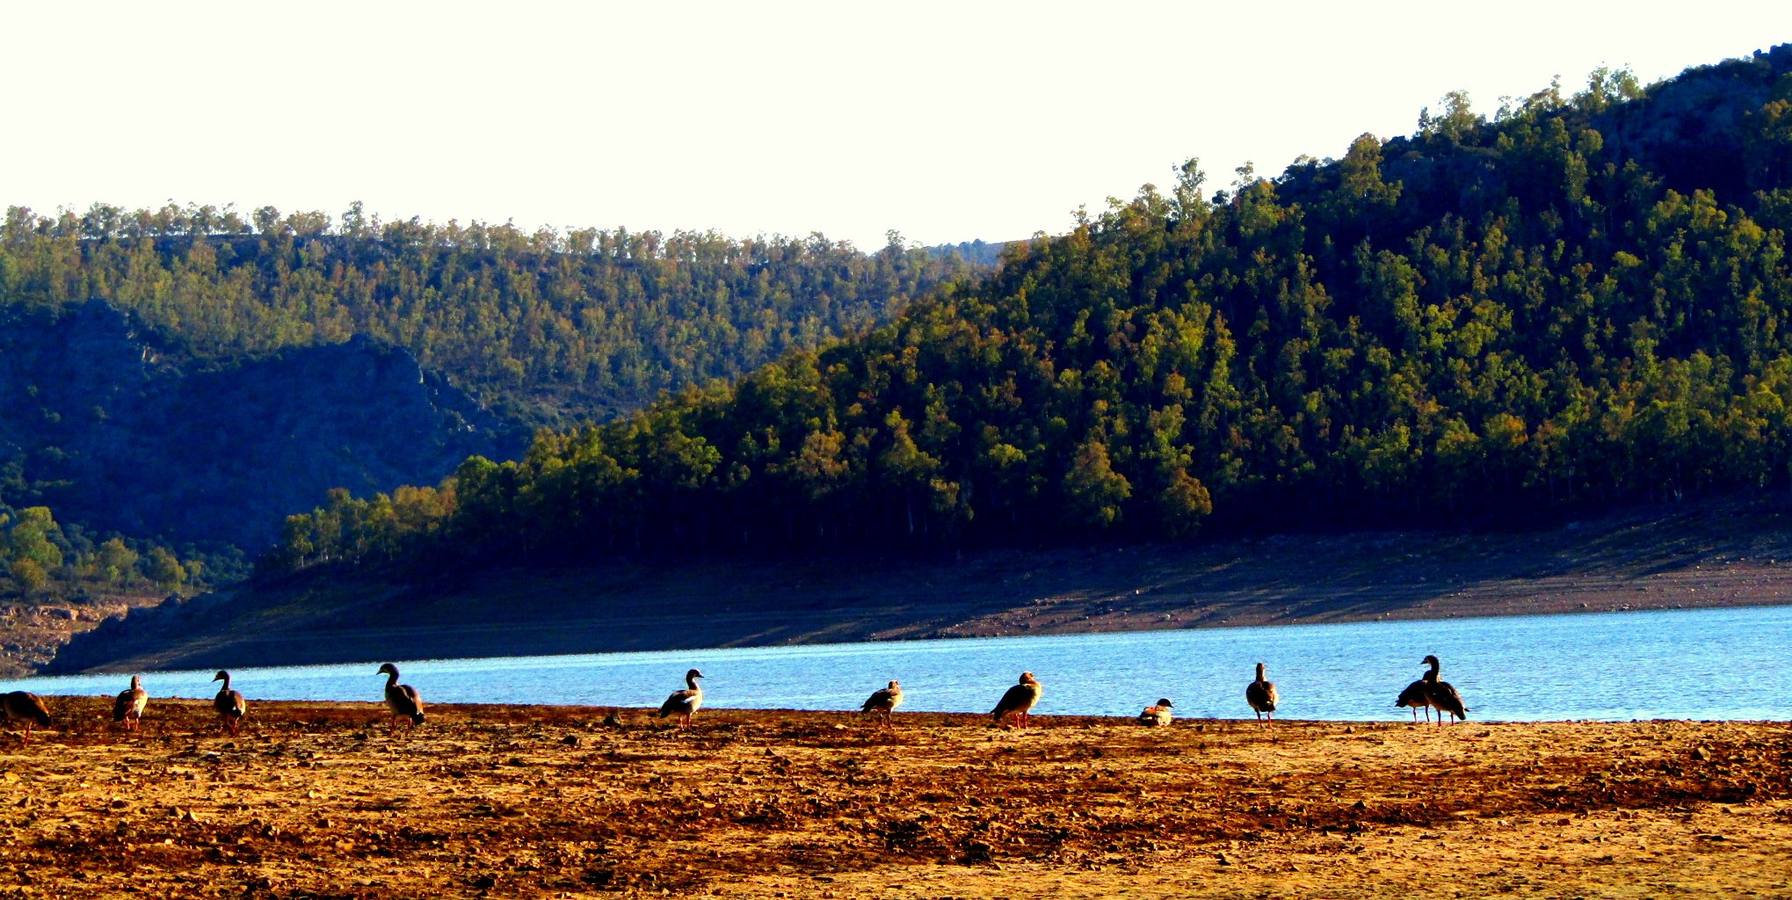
<point>321,800</point>
<point>1730,552</point>
<point>33,629</point>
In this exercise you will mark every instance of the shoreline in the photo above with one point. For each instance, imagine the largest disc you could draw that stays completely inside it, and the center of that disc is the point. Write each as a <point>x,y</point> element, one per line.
<point>1719,554</point>
<point>506,800</point>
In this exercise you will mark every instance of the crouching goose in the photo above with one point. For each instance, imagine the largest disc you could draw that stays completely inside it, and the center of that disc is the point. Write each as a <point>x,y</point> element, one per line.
<point>1159,715</point>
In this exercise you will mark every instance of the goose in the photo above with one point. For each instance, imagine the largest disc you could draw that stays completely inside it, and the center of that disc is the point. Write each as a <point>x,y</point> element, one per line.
<point>1417,697</point>
<point>27,706</point>
<point>1261,695</point>
<point>684,703</point>
<point>884,702</point>
<point>1442,695</point>
<point>1018,701</point>
<point>402,699</point>
<point>128,708</point>
<point>230,704</point>
<point>1158,715</point>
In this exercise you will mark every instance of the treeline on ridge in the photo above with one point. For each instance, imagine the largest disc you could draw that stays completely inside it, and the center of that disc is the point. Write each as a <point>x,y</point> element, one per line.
<point>1582,301</point>
<point>551,324</point>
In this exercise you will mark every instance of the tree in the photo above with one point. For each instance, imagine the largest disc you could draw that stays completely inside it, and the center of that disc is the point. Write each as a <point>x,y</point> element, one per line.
<point>164,569</point>
<point>115,562</point>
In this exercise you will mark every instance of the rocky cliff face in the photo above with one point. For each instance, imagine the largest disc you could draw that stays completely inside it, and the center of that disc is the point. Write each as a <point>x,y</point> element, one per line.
<point>119,429</point>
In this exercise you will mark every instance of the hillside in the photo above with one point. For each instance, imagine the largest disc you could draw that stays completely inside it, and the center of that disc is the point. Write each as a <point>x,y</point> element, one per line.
<point>1576,305</point>
<point>1718,553</point>
<point>118,428</point>
<point>548,326</point>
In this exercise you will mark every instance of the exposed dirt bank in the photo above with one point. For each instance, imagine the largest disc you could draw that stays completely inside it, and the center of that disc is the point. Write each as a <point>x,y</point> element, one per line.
<point>1732,553</point>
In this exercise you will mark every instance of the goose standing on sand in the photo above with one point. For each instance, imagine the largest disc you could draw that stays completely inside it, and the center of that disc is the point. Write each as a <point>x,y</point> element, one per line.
<point>1418,697</point>
<point>230,705</point>
<point>1018,701</point>
<point>128,708</point>
<point>1158,715</point>
<point>883,702</point>
<point>1261,695</point>
<point>28,707</point>
<point>684,703</point>
<point>1442,695</point>
<point>402,699</point>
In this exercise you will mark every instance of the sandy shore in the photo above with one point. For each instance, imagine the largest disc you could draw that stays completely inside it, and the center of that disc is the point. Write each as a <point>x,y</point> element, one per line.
<point>320,799</point>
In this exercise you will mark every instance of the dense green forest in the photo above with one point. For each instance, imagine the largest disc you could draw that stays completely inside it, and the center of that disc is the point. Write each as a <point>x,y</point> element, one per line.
<point>1581,301</point>
<point>543,324</point>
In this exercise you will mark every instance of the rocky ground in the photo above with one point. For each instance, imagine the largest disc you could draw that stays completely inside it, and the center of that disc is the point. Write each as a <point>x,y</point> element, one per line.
<point>31,631</point>
<point>322,800</point>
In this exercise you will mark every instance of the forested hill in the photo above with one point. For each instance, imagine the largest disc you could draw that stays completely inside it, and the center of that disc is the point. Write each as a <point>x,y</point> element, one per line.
<point>546,326</point>
<point>1580,301</point>
<point>118,429</point>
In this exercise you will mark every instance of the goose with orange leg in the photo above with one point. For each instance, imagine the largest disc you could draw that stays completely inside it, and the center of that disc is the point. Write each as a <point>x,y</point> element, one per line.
<point>24,706</point>
<point>1017,703</point>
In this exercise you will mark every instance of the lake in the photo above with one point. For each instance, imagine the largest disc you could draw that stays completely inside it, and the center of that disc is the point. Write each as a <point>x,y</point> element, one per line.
<point>1692,664</point>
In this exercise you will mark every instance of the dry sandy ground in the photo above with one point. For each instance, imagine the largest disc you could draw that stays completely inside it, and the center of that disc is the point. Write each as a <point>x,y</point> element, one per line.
<point>321,800</point>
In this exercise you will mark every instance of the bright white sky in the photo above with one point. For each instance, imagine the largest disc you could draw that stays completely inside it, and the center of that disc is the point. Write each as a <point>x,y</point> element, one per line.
<point>947,121</point>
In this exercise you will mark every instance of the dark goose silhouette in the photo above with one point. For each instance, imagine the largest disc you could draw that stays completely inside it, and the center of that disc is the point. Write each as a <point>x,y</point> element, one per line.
<point>402,699</point>
<point>1442,695</point>
<point>1261,695</point>
<point>1416,696</point>
<point>26,707</point>
<point>230,705</point>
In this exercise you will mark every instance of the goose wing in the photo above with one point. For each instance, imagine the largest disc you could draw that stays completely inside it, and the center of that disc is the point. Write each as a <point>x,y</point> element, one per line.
<point>1445,699</point>
<point>230,703</point>
<point>25,705</point>
<point>1415,695</point>
<point>883,698</point>
<point>678,703</point>
<point>1021,696</point>
<point>1261,695</point>
<point>404,700</point>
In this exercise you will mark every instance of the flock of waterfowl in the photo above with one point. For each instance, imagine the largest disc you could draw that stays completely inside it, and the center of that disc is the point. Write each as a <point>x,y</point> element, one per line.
<point>406,704</point>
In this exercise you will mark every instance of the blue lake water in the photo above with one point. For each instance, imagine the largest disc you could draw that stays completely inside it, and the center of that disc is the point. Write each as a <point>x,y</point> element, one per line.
<point>1692,664</point>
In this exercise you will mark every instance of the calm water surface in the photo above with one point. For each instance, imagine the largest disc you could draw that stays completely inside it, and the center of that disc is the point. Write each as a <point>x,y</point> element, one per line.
<point>1697,664</point>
